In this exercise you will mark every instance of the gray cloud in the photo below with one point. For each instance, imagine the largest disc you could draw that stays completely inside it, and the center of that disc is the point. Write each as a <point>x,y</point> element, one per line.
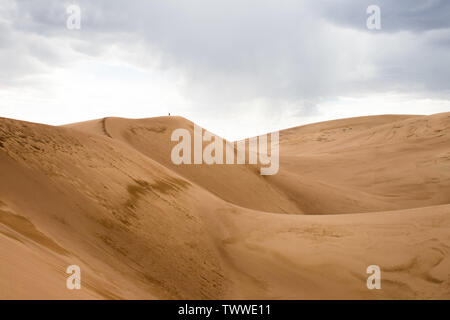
<point>284,52</point>
<point>398,15</point>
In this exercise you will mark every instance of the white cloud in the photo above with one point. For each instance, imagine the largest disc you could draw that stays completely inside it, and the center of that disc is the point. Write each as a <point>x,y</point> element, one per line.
<point>238,69</point>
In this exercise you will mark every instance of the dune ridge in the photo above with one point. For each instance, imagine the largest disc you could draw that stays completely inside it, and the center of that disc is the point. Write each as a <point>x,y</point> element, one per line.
<point>104,194</point>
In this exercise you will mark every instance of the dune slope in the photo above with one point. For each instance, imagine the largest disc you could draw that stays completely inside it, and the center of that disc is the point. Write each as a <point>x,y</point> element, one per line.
<point>104,195</point>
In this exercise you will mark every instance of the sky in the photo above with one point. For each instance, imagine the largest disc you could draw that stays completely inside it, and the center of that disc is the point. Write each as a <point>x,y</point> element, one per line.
<point>237,68</point>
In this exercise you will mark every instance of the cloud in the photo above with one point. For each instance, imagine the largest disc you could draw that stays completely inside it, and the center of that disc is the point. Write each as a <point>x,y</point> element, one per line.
<point>399,15</point>
<point>260,60</point>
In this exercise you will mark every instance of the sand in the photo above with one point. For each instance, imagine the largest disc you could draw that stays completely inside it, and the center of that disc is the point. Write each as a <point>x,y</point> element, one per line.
<point>105,195</point>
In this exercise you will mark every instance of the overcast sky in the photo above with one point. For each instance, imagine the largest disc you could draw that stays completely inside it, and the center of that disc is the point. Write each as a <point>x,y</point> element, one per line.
<point>238,68</point>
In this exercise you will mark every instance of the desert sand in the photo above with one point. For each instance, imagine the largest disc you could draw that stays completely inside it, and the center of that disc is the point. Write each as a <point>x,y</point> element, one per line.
<point>104,195</point>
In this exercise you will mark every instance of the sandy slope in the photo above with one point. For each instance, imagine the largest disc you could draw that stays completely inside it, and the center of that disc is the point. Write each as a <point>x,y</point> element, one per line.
<point>104,195</point>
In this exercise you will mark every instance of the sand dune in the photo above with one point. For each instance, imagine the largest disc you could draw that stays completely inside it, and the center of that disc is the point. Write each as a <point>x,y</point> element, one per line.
<point>104,195</point>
